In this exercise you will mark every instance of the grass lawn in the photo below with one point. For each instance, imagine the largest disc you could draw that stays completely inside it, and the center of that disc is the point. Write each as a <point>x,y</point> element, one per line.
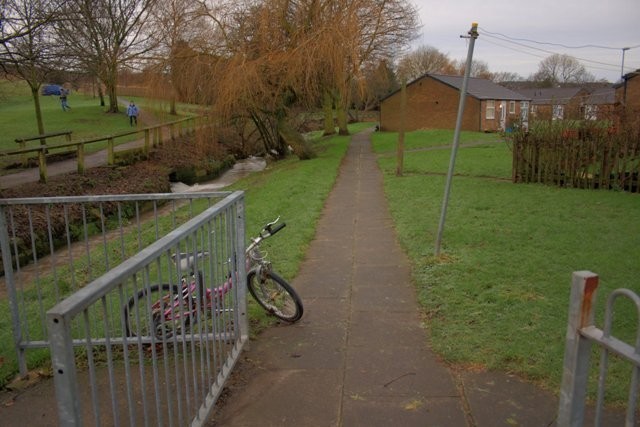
<point>497,297</point>
<point>86,119</point>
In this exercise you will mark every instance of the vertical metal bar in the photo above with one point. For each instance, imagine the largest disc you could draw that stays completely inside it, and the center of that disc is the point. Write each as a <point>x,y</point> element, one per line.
<point>5,249</point>
<point>577,349</point>
<point>64,369</point>
<point>242,288</point>
<point>92,371</point>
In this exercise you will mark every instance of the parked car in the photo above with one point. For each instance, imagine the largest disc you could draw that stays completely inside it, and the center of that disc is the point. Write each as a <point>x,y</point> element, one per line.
<point>51,90</point>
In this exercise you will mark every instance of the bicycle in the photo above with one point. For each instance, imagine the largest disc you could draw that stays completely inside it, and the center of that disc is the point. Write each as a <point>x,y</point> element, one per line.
<point>174,309</point>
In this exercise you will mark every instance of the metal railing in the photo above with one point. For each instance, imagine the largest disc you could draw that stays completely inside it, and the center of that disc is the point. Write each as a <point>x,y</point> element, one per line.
<point>173,372</point>
<point>53,247</point>
<point>581,334</point>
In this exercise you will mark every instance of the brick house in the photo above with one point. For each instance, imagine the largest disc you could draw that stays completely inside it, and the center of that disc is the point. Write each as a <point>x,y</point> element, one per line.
<point>557,103</point>
<point>600,104</point>
<point>628,91</point>
<point>433,99</point>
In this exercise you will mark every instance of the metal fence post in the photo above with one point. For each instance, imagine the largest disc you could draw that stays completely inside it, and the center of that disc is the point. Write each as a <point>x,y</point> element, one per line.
<point>577,349</point>
<point>64,369</point>
<point>5,250</point>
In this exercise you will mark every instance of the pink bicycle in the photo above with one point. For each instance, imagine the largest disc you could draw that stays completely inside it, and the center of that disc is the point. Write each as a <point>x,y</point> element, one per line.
<point>165,310</point>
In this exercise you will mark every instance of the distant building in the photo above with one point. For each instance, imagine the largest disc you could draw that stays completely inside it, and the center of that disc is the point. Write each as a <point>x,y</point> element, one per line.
<point>556,103</point>
<point>600,104</point>
<point>628,91</point>
<point>433,99</point>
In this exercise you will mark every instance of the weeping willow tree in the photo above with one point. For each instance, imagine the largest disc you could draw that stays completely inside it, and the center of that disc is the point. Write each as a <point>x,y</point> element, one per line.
<point>258,64</point>
<point>366,33</point>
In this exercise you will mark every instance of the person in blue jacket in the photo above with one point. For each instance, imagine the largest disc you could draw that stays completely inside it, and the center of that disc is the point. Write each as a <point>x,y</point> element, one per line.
<point>132,112</point>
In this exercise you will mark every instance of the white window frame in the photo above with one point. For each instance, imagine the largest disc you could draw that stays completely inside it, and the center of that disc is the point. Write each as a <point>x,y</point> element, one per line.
<point>558,112</point>
<point>590,112</point>
<point>512,107</point>
<point>490,109</point>
<point>524,110</point>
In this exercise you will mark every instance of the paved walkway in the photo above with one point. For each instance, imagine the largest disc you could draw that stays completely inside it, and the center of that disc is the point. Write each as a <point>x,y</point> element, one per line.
<point>360,356</point>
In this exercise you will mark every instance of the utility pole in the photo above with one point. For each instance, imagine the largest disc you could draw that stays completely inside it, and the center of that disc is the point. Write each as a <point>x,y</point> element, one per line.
<point>624,49</point>
<point>473,35</point>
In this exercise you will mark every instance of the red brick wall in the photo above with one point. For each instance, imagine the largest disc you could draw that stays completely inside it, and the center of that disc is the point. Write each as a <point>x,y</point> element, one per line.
<point>633,93</point>
<point>430,105</point>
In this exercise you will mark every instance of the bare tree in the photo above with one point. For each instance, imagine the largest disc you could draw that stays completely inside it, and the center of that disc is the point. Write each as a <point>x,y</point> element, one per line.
<point>26,51</point>
<point>366,31</point>
<point>423,60</point>
<point>10,24</point>
<point>505,76</point>
<point>105,35</point>
<point>479,68</point>
<point>380,81</point>
<point>266,59</point>
<point>559,69</point>
<point>182,40</point>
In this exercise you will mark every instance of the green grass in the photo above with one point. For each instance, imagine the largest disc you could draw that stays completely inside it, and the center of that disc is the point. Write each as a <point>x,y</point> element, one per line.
<point>86,119</point>
<point>498,295</point>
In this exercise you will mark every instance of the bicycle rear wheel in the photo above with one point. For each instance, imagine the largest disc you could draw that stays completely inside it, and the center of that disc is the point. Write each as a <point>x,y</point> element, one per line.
<point>159,311</point>
<point>275,295</point>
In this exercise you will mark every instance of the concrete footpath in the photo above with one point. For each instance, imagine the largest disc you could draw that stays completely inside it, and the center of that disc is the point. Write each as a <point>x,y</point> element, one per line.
<point>360,356</point>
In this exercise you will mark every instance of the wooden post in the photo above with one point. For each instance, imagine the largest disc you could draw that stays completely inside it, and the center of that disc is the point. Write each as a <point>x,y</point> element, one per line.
<point>42,164</point>
<point>403,125</point>
<point>80,151</point>
<point>147,139</point>
<point>110,153</point>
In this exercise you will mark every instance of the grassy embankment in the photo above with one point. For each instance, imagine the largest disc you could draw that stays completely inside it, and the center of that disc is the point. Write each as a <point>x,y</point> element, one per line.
<point>497,297</point>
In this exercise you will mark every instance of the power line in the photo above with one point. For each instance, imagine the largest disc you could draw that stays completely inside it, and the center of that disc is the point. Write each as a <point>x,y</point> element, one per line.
<point>552,52</point>
<point>513,40</point>
<point>607,67</point>
<point>559,44</point>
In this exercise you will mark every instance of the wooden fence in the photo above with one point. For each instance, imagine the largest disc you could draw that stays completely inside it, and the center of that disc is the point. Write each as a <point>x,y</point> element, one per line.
<point>152,137</point>
<point>579,158</point>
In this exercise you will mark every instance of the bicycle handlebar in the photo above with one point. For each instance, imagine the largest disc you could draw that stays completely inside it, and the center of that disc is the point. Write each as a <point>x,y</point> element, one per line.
<point>275,230</point>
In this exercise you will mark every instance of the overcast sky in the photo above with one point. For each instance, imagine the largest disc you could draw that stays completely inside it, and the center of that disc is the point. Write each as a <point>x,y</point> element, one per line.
<point>573,23</point>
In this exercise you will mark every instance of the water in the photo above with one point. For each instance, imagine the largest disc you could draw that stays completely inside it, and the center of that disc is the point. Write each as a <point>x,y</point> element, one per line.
<point>240,169</point>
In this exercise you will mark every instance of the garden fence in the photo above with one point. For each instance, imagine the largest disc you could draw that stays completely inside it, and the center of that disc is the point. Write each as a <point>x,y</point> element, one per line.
<point>578,159</point>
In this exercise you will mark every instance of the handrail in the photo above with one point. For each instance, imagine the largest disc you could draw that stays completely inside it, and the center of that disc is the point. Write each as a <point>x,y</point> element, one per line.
<point>43,149</point>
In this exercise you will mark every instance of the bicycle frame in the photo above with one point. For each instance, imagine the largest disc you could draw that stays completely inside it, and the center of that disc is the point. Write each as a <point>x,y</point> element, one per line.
<point>255,263</point>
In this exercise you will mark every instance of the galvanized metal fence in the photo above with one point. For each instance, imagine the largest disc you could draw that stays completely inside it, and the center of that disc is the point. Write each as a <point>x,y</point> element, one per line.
<point>581,334</point>
<point>84,291</point>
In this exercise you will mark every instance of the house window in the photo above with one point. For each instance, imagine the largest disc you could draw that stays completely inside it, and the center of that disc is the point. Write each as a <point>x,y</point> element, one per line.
<point>590,112</point>
<point>524,110</point>
<point>512,107</point>
<point>558,112</point>
<point>491,109</point>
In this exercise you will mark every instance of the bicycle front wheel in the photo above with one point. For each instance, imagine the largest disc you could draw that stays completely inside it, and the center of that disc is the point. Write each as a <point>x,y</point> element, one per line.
<point>275,295</point>
<point>159,311</point>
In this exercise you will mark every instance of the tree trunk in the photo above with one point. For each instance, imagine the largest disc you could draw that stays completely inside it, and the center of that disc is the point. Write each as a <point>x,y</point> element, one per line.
<point>327,108</point>
<point>113,98</point>
<point>100,94</point>
<point>341,116</point>
<point>172,105</point>
<point>36,103</point>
